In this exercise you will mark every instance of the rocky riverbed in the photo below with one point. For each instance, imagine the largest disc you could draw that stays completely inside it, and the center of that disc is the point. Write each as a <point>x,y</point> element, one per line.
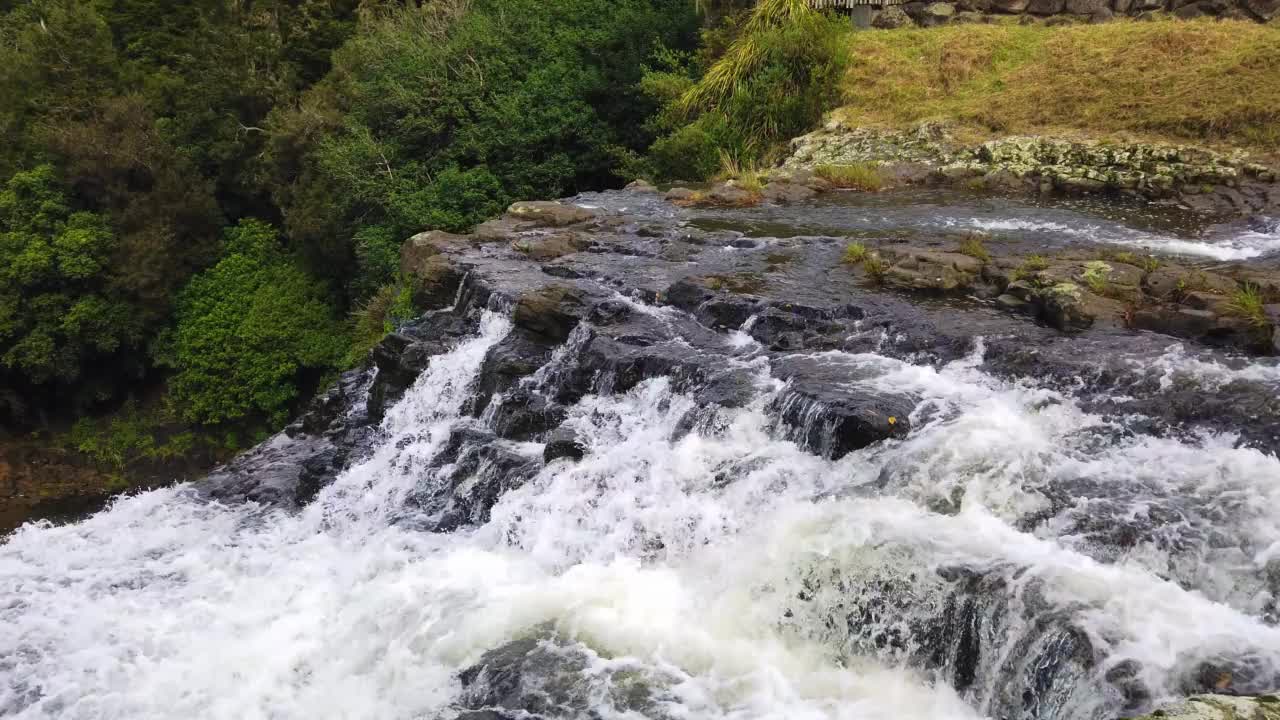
<point>641,459</point>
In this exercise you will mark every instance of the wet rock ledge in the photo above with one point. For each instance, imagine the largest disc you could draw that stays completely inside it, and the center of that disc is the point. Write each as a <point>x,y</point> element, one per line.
<point>1220,707</point>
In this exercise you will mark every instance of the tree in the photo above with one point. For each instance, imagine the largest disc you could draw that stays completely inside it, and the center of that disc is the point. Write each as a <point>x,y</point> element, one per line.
<point>65,330</point>
<point>252,333</point>
<point>439,115</point>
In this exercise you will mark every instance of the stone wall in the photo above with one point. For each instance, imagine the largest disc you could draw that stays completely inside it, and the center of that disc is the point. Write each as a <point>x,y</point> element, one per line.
<point>1061,12</point>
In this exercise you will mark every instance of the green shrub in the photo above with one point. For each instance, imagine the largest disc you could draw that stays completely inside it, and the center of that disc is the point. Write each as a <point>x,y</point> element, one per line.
<point>1030,266</point>
<point>775,81</point>
<point>65,328</point>
<point>252,333</point>
<point>875,267</point>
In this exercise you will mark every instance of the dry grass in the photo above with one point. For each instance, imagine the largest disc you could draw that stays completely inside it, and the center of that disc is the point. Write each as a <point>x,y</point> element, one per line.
<point>1203,80</point>
<point>861,176</point>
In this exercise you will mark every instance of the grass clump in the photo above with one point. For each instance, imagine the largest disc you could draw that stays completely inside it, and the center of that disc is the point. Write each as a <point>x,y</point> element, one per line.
<point>745,175</point>
<point>859,176</point>
<point>1095,277</point>
<point>974,246</point>
<point>875,267</point>
<point>855,253</point>
<point>1030,266</point>
<point>1184,80</point>
<point>1247,302</point>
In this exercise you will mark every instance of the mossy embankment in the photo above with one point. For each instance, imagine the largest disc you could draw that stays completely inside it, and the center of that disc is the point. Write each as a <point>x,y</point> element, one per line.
<point>1202,82</point>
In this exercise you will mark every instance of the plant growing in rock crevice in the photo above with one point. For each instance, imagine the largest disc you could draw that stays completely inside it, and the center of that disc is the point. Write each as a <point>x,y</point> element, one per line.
<point>1095,277</point>
<point>855,253</point>
<point>1247,302</point>
<point>1030,266</point>
<point>973,246</point>
<point>875,267</point>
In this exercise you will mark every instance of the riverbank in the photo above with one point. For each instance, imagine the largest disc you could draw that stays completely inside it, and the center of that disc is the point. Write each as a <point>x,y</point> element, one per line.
<point>1209,83</point>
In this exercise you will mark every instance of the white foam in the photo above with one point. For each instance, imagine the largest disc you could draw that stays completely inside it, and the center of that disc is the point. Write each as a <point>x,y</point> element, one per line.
<point>658,550</point>
<point>1224,247</point>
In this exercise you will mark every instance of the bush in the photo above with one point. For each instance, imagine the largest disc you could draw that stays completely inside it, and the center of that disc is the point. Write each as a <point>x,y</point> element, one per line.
<point>252,334</point>
<point>64,329</point>
<point>439,115</point>
<point>775,81</point>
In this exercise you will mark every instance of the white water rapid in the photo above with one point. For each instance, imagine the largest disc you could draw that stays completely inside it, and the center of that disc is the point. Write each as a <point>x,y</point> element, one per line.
<point>676,558</point>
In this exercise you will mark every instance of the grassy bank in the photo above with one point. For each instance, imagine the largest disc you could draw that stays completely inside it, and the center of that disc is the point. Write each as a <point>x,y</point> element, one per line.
<point>1205,81</point>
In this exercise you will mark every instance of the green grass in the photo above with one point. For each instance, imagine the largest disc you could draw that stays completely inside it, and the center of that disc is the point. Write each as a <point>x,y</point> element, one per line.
<point>1247,302</point>
<point>1095,276</point>
<point>855,253</point>
<point>1030,266</point>
<point>1203,81</point>
<point>745,175</point>
<point>973,246</point>
<point>860,176</point>
<point>875,267</point>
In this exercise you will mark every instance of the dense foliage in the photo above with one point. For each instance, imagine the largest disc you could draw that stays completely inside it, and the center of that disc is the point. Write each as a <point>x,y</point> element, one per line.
<point>250,333</point>
<point>763,76</point>
<point>149,146</point>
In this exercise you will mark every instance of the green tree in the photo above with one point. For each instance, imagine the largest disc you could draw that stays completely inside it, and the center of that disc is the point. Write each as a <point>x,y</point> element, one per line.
<point>252,334</point>
<point>437,116</point>
<point>65,330</point>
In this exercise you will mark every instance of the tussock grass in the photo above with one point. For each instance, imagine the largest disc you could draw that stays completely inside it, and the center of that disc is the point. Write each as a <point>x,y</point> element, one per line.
<point>875,267</point>
<point>860,176</point>
<point>1214,81</point>
<point>974,246</point>
<point>1030,266</point>
<point>1247,302</point>
<point>745,175</point>
<point>855,253</point>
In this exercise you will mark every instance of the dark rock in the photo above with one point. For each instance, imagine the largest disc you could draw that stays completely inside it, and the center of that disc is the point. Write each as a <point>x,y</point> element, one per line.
<point>517,356</point>
<point>783,192</point>
<point>551,312</point>
<point>563,443</point>
<point>549,247</point>
<point>1046,7</point>
<point>923,269</point>
<point>1009,6</point>
<point>828,412</point>
<point>545,677</point>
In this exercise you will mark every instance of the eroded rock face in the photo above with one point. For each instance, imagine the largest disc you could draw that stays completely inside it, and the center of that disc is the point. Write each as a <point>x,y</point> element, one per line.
<point>1224,185</point>
<point>1220,707</point>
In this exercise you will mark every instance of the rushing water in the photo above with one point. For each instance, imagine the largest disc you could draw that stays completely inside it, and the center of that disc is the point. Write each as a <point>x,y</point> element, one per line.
<point>725,568</point>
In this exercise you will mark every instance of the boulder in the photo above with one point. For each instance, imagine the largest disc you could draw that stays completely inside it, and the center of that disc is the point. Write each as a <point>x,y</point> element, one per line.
<point>563,443</point>
<point>681,195</point>
<point>641,186</point>
<point>827,411</point>
<point>1045,7</point>
<point>1169,282</point>
<point>923,269</point>
<point>552,312</point>
<point>1085,7</point>
<point>550,247</point>
<point>428,259</point>
<point>936,13</point>
<point>1219,707</point>
<point>549,213</point>
<point>1067,306</point>
<point>891,18</point>
<point>1009,6</point>
<point>784,192</point>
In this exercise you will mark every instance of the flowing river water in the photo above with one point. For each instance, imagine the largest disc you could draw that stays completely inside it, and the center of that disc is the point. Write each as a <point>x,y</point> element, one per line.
<point>1031,548</point>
